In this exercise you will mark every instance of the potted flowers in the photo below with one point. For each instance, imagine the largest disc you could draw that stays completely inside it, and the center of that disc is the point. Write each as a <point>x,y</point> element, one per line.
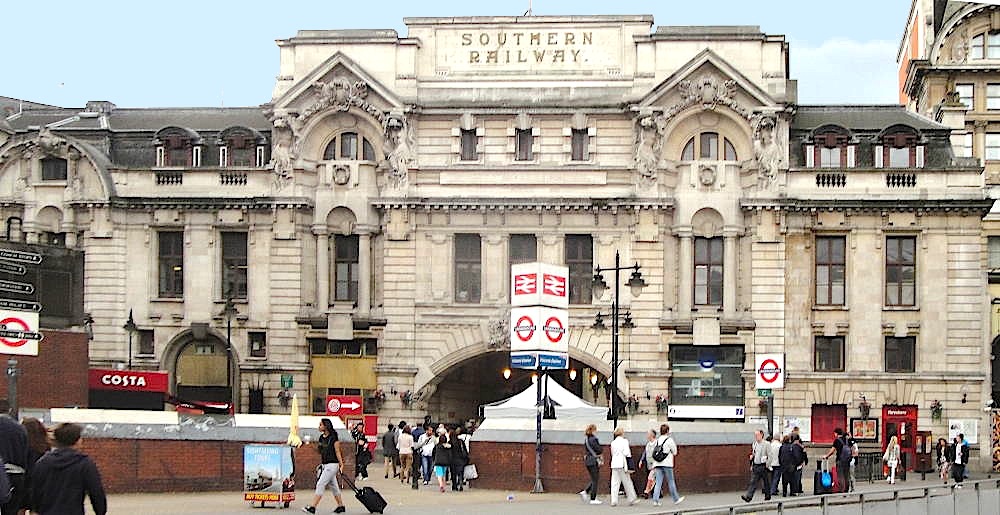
<point>377,398</point>
<point>661,403</point>
<point>865,407</point>
<point>406,397</point>
<point>936,409</point>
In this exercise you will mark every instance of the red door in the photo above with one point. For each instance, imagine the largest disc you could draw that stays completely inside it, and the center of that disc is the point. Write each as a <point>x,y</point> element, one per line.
<point>826,418</point>
<point>901,421</point>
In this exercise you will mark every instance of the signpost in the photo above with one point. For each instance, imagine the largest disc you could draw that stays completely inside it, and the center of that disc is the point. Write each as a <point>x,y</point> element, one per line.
<point>19,333</point>
<point>769,374</point>
<point>18,318</point>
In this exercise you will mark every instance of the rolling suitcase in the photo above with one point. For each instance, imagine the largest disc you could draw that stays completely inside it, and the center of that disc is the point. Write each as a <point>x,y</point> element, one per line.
<point>367,496</point>
<point>822,479</point>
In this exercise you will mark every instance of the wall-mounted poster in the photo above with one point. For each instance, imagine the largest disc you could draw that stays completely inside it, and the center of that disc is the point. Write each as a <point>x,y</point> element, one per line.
<point>864,429</point>
<point>965,426</point>
<point>804,425</point>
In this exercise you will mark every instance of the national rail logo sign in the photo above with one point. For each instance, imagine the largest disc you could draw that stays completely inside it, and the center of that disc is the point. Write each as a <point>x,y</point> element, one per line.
<point>539,284</point>
<point>770,371</point>
<point>19,333</point>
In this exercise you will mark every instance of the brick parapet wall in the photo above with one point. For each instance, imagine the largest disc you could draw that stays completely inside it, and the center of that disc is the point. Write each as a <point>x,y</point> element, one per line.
<point>57,377</point>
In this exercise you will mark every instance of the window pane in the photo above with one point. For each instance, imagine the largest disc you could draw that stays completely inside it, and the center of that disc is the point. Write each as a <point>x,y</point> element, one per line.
<point>346,267</point>
<point>53,169</point>
<point>730,151</point>
<point>523,144</point>
<point>976,50</point>
<point>966,94</point>
<point>900,355</point>
<point>579,145</point>
<point>523,248</point>
<point>468,268</point>
<point>829,354</point>
<point>468,145</point>
<point>171,264</point>
<point>992,146</point>
<point>719,385</point>
<point>331,150</point>
<point>688,153</point>
<point>349,145</point>
<point>234,264</point>
<point>580,261</point>
<point>368,152</point>
<point>837,246</point>
<point>993,46</point>
<point>993,243</point>
<point>899,157</point>
<point>709,145</point>
<point>829,157</point>
<point>993,96</point>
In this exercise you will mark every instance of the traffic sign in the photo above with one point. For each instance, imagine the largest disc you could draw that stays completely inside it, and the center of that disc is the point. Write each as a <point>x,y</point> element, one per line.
<point>343,405</point>
<point>12,268</point>
<point>16,287</point>
<point>765,392</point>
<point>22,305</point>
<point>21,256</point>
<point>19,333</point>
<point>539,328</point>
<point>770,371</point>
<point>539,284</point>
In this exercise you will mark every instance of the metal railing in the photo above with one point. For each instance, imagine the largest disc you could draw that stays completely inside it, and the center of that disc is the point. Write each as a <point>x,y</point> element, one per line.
<point>971,498</point>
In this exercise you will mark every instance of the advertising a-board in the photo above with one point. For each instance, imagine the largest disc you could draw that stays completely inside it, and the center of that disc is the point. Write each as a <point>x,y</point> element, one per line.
<point>268,474</point>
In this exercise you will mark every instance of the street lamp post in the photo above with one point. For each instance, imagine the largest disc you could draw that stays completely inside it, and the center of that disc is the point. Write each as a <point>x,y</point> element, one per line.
<point>130,328</point>
<point>636,283</point>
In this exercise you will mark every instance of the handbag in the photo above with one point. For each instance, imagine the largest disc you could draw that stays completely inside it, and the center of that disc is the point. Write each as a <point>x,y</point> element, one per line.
<point>630,463</point>
<point>825,478</point>
<point>592,458</point>
<point>470,472</point>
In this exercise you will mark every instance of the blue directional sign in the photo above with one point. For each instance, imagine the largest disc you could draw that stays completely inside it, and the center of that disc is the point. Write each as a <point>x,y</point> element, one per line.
<point>553,360</point>
<point>523,360</point>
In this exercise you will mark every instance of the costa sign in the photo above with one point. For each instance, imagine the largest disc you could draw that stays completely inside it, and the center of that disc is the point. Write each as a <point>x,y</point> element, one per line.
<point>127,380</point>
<point>539,284</point>
<point>770,370</point>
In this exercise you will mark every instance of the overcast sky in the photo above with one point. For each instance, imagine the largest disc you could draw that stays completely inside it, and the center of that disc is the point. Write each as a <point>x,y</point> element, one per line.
<point>181,53</point>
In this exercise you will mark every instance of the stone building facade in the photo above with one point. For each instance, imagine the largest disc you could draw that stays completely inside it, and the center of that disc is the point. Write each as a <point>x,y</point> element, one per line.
<point>363,222</point>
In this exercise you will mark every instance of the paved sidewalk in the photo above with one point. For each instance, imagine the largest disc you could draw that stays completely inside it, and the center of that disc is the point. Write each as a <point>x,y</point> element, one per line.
<point>429,501</point>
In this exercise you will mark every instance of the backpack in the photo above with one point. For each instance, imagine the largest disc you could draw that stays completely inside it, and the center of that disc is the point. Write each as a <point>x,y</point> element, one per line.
<point>658,453</point>
<point>846,452</point>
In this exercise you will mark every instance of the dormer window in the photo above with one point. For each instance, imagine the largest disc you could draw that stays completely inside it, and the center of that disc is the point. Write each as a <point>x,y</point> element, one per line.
<point>177,146</point>
<point>239,146</point>
<point>345,146</point>
<point>899,149</point>
<point>830,148</point>
<point>708,148</point>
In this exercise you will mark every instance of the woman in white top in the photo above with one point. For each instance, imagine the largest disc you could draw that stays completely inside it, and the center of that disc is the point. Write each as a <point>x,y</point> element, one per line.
<point>891,458</point>
<point>620,452</point>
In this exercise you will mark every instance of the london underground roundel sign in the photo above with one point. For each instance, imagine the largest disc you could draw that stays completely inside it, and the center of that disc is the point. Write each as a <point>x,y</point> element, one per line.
<point>770,370</point>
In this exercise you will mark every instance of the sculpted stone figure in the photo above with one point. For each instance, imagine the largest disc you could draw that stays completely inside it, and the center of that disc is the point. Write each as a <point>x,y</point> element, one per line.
<point>399,149</point>
<point>646,147</point>
<point>766,151</point>
<point>281,158</point>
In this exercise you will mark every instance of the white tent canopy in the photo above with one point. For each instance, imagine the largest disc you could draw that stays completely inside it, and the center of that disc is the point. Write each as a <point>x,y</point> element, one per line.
<point>567,406</point>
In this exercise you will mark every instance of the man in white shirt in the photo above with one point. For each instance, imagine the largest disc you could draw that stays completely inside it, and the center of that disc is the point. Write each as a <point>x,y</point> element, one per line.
<point>760,456</point>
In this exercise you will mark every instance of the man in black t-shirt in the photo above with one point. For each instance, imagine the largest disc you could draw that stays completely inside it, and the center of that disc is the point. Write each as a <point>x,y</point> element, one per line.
<point>843,459</point>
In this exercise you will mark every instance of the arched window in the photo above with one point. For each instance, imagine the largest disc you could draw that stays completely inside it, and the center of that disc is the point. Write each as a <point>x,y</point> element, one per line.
<point>708,148</point>
<point>899,148</point>
<point>345,146</point>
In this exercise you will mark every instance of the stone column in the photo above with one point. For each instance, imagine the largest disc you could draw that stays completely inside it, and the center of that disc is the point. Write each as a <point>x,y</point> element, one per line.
<point>322,267</point>
<point>364,273</point>
<point>685,271</point>
<point>731,237</point>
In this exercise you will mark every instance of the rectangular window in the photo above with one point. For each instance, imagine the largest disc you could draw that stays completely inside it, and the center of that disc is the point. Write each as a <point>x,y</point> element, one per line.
<point>223,157</point>
<point>349,145</point>
<point>468,143</point>
<point>992,146</point>
<point>240,156</point>
<point>234,265</point>
<point>523,144</point>
<point>993,46</point>
<point>196,156</point>
<point>993,247</point>
<point>829,354</point>
<point>257,341</point>
<point>709,148</point>
<point>900,354</point>
<point>468,268</point>
<point>146,345</point>
<point>977,47</point>
<point>830,157</point>
<point>899,157</point>
<point>830,270</point>
<point>708,271</point>
<point>171,260</point>
<point>346,267</point>
<point>53,169</point>
<point>259,161</point>
<point>580,141</point>
<point>900,271</point>
<point>706,376</point>
<point>160,157</point>
<point>523,248</point>
<point>967,95</point>
<point>993,96</point>
<point>966,145</point>
<point>580,261</point>
<point>177,156</point>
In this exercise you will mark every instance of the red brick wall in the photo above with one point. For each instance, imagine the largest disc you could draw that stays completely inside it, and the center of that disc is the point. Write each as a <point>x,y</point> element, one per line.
<point>185,466</point>
<point>511,466</point>
<point>57,377</point>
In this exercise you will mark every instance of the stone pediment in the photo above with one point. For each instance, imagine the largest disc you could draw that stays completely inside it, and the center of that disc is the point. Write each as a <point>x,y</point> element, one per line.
<point>709,80</point>
<point>339,83</point>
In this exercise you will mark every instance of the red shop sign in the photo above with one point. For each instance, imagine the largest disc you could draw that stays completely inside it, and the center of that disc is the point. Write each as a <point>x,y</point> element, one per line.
<point>128,380</point>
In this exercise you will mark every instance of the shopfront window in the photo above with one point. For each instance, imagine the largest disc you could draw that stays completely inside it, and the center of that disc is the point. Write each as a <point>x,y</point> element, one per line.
<point>707,376</point>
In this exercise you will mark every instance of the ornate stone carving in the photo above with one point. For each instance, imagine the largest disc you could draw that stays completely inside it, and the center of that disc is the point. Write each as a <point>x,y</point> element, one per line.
<point>499,332</point>
<point>340,94</point>
<point>960,47</point>
<point>400,148</point>
<point>706,175</point>
<point>766,149</point>
<point>341,174</point>
<point>281,157</point>
<point>648,143</point>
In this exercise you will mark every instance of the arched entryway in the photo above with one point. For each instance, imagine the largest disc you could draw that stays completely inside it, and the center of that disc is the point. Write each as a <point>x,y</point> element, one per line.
<point>202,368</point>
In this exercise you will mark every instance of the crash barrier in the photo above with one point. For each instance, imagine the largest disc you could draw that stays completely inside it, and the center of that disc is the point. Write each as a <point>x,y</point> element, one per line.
<point>971,498</point>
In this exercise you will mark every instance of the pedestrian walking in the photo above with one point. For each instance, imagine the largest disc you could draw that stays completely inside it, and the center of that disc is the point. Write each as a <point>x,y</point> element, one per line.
<point>773,465</point>
<point>593,459</point>
<point>459,459</point>
<point>841,449</point>
<point>760,456</point>
<point>64,477</point>
<point>891,458</point>
<point>620,453</point>
<point>426,444</point>
<point>801,457</point>
<point>960,461</point>
<point>405,454</point>
<point>854,458</point>
<point>390,450</point>
<point>664,451</point>
<point>787,462</point>
<point>943,460</point>
<point>442,460</point>
<point>39,443</point>
<point>14,452</point>
<point>646,462</point>
<point>330,459</point>
<point>362,455</point>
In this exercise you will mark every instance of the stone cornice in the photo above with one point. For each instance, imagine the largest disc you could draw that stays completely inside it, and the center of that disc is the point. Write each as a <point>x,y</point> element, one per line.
<point>210,203</point>
<point>979,207</point>
<point>538,204</point>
